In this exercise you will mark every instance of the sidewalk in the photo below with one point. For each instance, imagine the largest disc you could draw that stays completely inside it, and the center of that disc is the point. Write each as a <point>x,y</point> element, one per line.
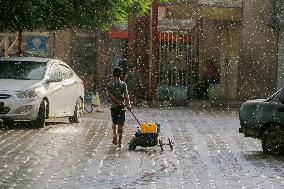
<point>192,103</point>
<point>187,103</point>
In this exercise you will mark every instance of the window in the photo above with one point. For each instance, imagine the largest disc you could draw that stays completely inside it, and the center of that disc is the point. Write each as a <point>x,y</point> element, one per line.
<point>66,72</point>
<point>22,70</point>
<point>54,72</point>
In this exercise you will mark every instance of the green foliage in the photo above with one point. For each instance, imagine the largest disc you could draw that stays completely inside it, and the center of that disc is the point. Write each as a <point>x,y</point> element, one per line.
<point>19,15</point>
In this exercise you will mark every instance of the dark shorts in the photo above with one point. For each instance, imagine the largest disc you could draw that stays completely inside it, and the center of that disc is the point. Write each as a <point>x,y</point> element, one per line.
<point>117,116</point>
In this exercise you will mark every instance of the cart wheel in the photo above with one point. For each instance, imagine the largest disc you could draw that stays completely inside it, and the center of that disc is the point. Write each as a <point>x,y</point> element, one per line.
<point>171,143</point>
<point>161,144</point>
<point>132,144</point>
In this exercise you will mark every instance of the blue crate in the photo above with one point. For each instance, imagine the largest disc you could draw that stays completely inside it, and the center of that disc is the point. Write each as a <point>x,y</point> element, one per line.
<point>88,97</point>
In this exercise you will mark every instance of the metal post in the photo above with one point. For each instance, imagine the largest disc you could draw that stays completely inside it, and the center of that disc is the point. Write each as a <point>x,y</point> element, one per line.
<point>154,48</point>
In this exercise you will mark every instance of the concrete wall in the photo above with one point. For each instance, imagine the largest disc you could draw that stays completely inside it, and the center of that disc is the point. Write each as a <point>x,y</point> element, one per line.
<point>229,60</point>
<point>258,59</point>
<point>209,44</point>
<point>218,39</point>
<point>219,42</point>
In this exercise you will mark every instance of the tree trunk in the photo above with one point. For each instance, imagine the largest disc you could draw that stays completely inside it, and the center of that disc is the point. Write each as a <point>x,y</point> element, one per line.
<point>20,43</point>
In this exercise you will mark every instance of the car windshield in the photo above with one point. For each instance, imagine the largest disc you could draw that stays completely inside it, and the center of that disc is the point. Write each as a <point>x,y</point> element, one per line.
<point>22,70</point>
<point>274,95</point>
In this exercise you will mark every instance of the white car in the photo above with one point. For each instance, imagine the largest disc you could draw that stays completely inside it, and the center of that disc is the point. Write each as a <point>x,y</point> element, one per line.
<point>33,89</point>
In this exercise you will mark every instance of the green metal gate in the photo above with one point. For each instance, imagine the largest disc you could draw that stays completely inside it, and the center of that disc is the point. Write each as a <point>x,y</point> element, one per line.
<point>177,66</point>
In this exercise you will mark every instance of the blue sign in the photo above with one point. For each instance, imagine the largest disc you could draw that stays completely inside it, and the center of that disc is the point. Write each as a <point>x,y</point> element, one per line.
<point>36,43</point>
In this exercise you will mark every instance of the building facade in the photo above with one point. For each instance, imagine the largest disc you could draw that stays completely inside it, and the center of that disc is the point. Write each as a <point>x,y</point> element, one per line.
<point>239,37</point>
<point>168,50</point>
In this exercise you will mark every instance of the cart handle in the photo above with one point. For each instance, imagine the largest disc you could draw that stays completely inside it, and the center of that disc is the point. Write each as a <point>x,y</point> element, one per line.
<point>134,117</point>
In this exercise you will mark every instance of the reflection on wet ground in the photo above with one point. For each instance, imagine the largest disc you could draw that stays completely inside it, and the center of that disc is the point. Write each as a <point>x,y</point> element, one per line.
<point>208,153</point>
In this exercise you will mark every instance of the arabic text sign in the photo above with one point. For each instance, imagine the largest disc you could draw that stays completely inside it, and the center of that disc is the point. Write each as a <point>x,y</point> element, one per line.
<point>36,43</point>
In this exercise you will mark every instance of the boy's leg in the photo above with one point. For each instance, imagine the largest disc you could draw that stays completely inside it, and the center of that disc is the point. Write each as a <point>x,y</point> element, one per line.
<point>114,139</point>
<point>114,126</point>
<point>120,131</point>
<point>121,120</point>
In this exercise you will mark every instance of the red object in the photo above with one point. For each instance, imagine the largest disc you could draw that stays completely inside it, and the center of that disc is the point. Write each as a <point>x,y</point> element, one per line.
<point>164,36</point>
<point>210,71</point>
<point>118,34</point>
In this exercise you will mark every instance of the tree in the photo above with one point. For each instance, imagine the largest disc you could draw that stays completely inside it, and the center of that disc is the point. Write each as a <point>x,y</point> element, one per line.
<point>29,15</point>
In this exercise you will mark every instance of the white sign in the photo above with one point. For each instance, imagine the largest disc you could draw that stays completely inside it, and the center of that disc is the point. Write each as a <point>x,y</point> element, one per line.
<point>222,3</point>
<point>175,25</point>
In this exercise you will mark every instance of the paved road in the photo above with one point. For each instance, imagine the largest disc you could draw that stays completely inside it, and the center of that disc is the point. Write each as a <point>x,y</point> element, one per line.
<point>208,153</point>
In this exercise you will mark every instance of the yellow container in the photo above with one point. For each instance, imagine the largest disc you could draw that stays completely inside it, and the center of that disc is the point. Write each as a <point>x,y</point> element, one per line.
<point>148,128</point>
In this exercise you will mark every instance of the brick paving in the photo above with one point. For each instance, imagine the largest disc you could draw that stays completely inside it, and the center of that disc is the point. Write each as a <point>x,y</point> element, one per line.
<point>208,153</point>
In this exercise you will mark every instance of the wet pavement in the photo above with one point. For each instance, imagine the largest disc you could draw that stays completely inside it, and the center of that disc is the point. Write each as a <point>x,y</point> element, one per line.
<point>208,153</point>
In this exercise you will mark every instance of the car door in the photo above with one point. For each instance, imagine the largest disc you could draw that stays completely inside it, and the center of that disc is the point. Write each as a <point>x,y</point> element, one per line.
<point>70,88</point>
<point>55,92</point>
<point>279,109</point>
<point>275,111</point>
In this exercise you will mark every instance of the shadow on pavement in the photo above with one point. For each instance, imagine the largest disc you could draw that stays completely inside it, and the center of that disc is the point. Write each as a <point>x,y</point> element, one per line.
<point>25,125</point>
<point>256,157</point>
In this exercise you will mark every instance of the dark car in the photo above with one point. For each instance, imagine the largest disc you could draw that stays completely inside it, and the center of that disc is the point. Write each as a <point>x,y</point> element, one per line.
<point>264,119</point>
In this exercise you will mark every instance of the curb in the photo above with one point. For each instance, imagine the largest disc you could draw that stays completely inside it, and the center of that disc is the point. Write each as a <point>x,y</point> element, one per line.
<point>191,103</point>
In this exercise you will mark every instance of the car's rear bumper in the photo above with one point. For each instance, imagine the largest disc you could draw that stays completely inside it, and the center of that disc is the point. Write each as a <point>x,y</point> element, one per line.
<point>253,132</point>
<point>248,132</point>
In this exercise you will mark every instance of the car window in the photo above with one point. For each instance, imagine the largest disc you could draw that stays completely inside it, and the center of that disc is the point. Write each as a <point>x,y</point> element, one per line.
<point>54,72</point>
<point>22,70</point>
<point>65,71</point>
<point>277,97</point>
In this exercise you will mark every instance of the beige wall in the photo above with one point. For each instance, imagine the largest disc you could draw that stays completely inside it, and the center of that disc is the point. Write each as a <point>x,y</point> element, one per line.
<point>186,11</point>
<point>258,61</point>
<point>218,39</point>
<point>243,41</point>
<point>219,42</point>
<point>209,44</point>
<point>229,60</point>
<point>10,41</point>
<point>62,45</point>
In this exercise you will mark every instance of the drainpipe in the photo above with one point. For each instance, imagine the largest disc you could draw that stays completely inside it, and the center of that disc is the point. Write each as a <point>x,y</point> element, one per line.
<point>154,49</point>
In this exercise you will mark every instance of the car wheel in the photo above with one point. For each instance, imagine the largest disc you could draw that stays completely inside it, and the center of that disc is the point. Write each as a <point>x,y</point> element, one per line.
<point>8,122</point>
<point>40,120</point>
<point>273,140</point>
<point>77,117</point>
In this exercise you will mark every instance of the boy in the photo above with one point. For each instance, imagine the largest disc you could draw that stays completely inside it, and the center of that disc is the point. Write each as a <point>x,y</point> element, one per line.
<point>117,90</point>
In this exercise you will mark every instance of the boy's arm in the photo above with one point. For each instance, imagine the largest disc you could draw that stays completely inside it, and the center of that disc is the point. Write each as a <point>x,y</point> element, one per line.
<point>128,103</point>
<point>114,99</point>
<point>127,99</point>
